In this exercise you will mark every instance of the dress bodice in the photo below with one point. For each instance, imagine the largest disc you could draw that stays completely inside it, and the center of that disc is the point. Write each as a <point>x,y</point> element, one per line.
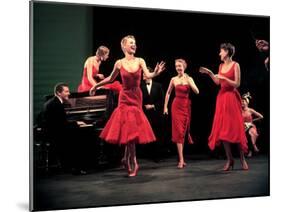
<point>182,91</point>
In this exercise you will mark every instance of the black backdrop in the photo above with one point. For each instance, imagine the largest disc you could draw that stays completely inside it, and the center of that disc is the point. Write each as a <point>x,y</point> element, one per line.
<point>167,35</point>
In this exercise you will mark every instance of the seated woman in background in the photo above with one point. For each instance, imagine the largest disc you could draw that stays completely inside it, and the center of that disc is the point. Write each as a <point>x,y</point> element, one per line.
<point>91,75</point>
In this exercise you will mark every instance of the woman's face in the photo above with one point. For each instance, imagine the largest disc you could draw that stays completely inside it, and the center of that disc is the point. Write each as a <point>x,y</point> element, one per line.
<point>105,56</point>
<point>244,103</point>
<point>130,46</point>
<point>179,67</point>
<point>223,54</point>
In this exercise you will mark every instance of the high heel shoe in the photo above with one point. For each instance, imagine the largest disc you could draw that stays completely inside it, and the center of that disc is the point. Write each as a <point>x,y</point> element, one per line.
<point>229,165</point>
<point>249,154</point>
<point>134,173</point>
<point>256,149</point>
<point>181,165</point>
<point>245,166</point>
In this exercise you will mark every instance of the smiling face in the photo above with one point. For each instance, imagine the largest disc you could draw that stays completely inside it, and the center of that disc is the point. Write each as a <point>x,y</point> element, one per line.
<point>128,44</point>
<point>223,54</point>
<point>180,66</point>
<point>131,46</point>
<point>227,50</point>
<point>244,103</point>
<point>64,94</point>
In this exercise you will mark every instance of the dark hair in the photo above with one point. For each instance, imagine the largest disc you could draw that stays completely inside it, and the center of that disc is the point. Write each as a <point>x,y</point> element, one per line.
<point>59,87</point>
<point>228,47</point>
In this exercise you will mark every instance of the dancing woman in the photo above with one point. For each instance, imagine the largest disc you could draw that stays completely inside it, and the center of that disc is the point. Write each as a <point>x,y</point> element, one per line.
<point>181,107</point>
<point>128,125</point>
<point>228,126</point>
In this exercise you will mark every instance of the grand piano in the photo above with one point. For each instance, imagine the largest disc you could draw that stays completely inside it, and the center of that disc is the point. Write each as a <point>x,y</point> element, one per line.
<point>92,112</point>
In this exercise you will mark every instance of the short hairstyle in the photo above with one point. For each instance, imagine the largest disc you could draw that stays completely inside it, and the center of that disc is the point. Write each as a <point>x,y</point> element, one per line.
<point>59,87</point>
<point>228,47</point>
<point>180,60</point>
<point>124,40</point>
<point>102,50</point>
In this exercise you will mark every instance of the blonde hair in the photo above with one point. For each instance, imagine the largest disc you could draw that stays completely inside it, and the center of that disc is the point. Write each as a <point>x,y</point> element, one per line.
<point>247,97</point>
<point>101,51</point>
<point>124,40</point>
<point>180,60</point>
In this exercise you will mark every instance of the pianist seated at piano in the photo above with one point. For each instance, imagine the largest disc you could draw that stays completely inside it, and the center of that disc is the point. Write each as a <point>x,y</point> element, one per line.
<point>91,75</point>
<point>59,129</point>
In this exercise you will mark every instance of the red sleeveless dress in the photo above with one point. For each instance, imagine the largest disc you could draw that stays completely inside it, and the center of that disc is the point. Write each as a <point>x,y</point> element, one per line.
<point>181,113</point>
<point>86,85</point>
<point>228,125</point>
<point>128,121</point>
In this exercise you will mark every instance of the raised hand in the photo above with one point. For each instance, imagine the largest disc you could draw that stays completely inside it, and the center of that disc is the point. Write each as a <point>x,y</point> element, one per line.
<point>159,67</point>
<point>262,45</point>
<point>204,70</point>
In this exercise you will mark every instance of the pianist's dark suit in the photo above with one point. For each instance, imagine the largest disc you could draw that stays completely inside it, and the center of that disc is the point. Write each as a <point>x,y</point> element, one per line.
<point>55,118</point>
<point>61,133</point>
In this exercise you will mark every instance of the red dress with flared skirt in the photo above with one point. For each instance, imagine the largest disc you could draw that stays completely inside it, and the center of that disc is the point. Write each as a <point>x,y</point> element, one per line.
<point>228,125</point>
<point>128,122</point>
<point>181,113</point>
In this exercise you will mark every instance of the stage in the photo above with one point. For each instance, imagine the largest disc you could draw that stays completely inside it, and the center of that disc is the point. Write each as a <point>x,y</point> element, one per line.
<point>201,179</point>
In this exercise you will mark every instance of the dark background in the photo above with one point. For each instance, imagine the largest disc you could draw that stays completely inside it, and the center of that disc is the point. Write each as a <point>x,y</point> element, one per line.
<point>65,35</point>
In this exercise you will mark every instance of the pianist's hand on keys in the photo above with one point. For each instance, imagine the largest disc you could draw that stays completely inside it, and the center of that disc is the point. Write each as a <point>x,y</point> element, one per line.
<point>80,123</point>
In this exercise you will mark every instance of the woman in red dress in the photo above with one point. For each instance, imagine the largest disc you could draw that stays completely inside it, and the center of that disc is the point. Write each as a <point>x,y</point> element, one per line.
<point>181,107</point>
<point>250,127</point>
<point>228,126</point>
<point>91,71</point>
<point>128,125</point>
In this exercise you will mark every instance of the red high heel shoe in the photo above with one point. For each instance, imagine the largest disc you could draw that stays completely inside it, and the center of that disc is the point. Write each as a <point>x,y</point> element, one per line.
<point>245,166</point>
<point>229,165</point>
<point>134,173</point>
